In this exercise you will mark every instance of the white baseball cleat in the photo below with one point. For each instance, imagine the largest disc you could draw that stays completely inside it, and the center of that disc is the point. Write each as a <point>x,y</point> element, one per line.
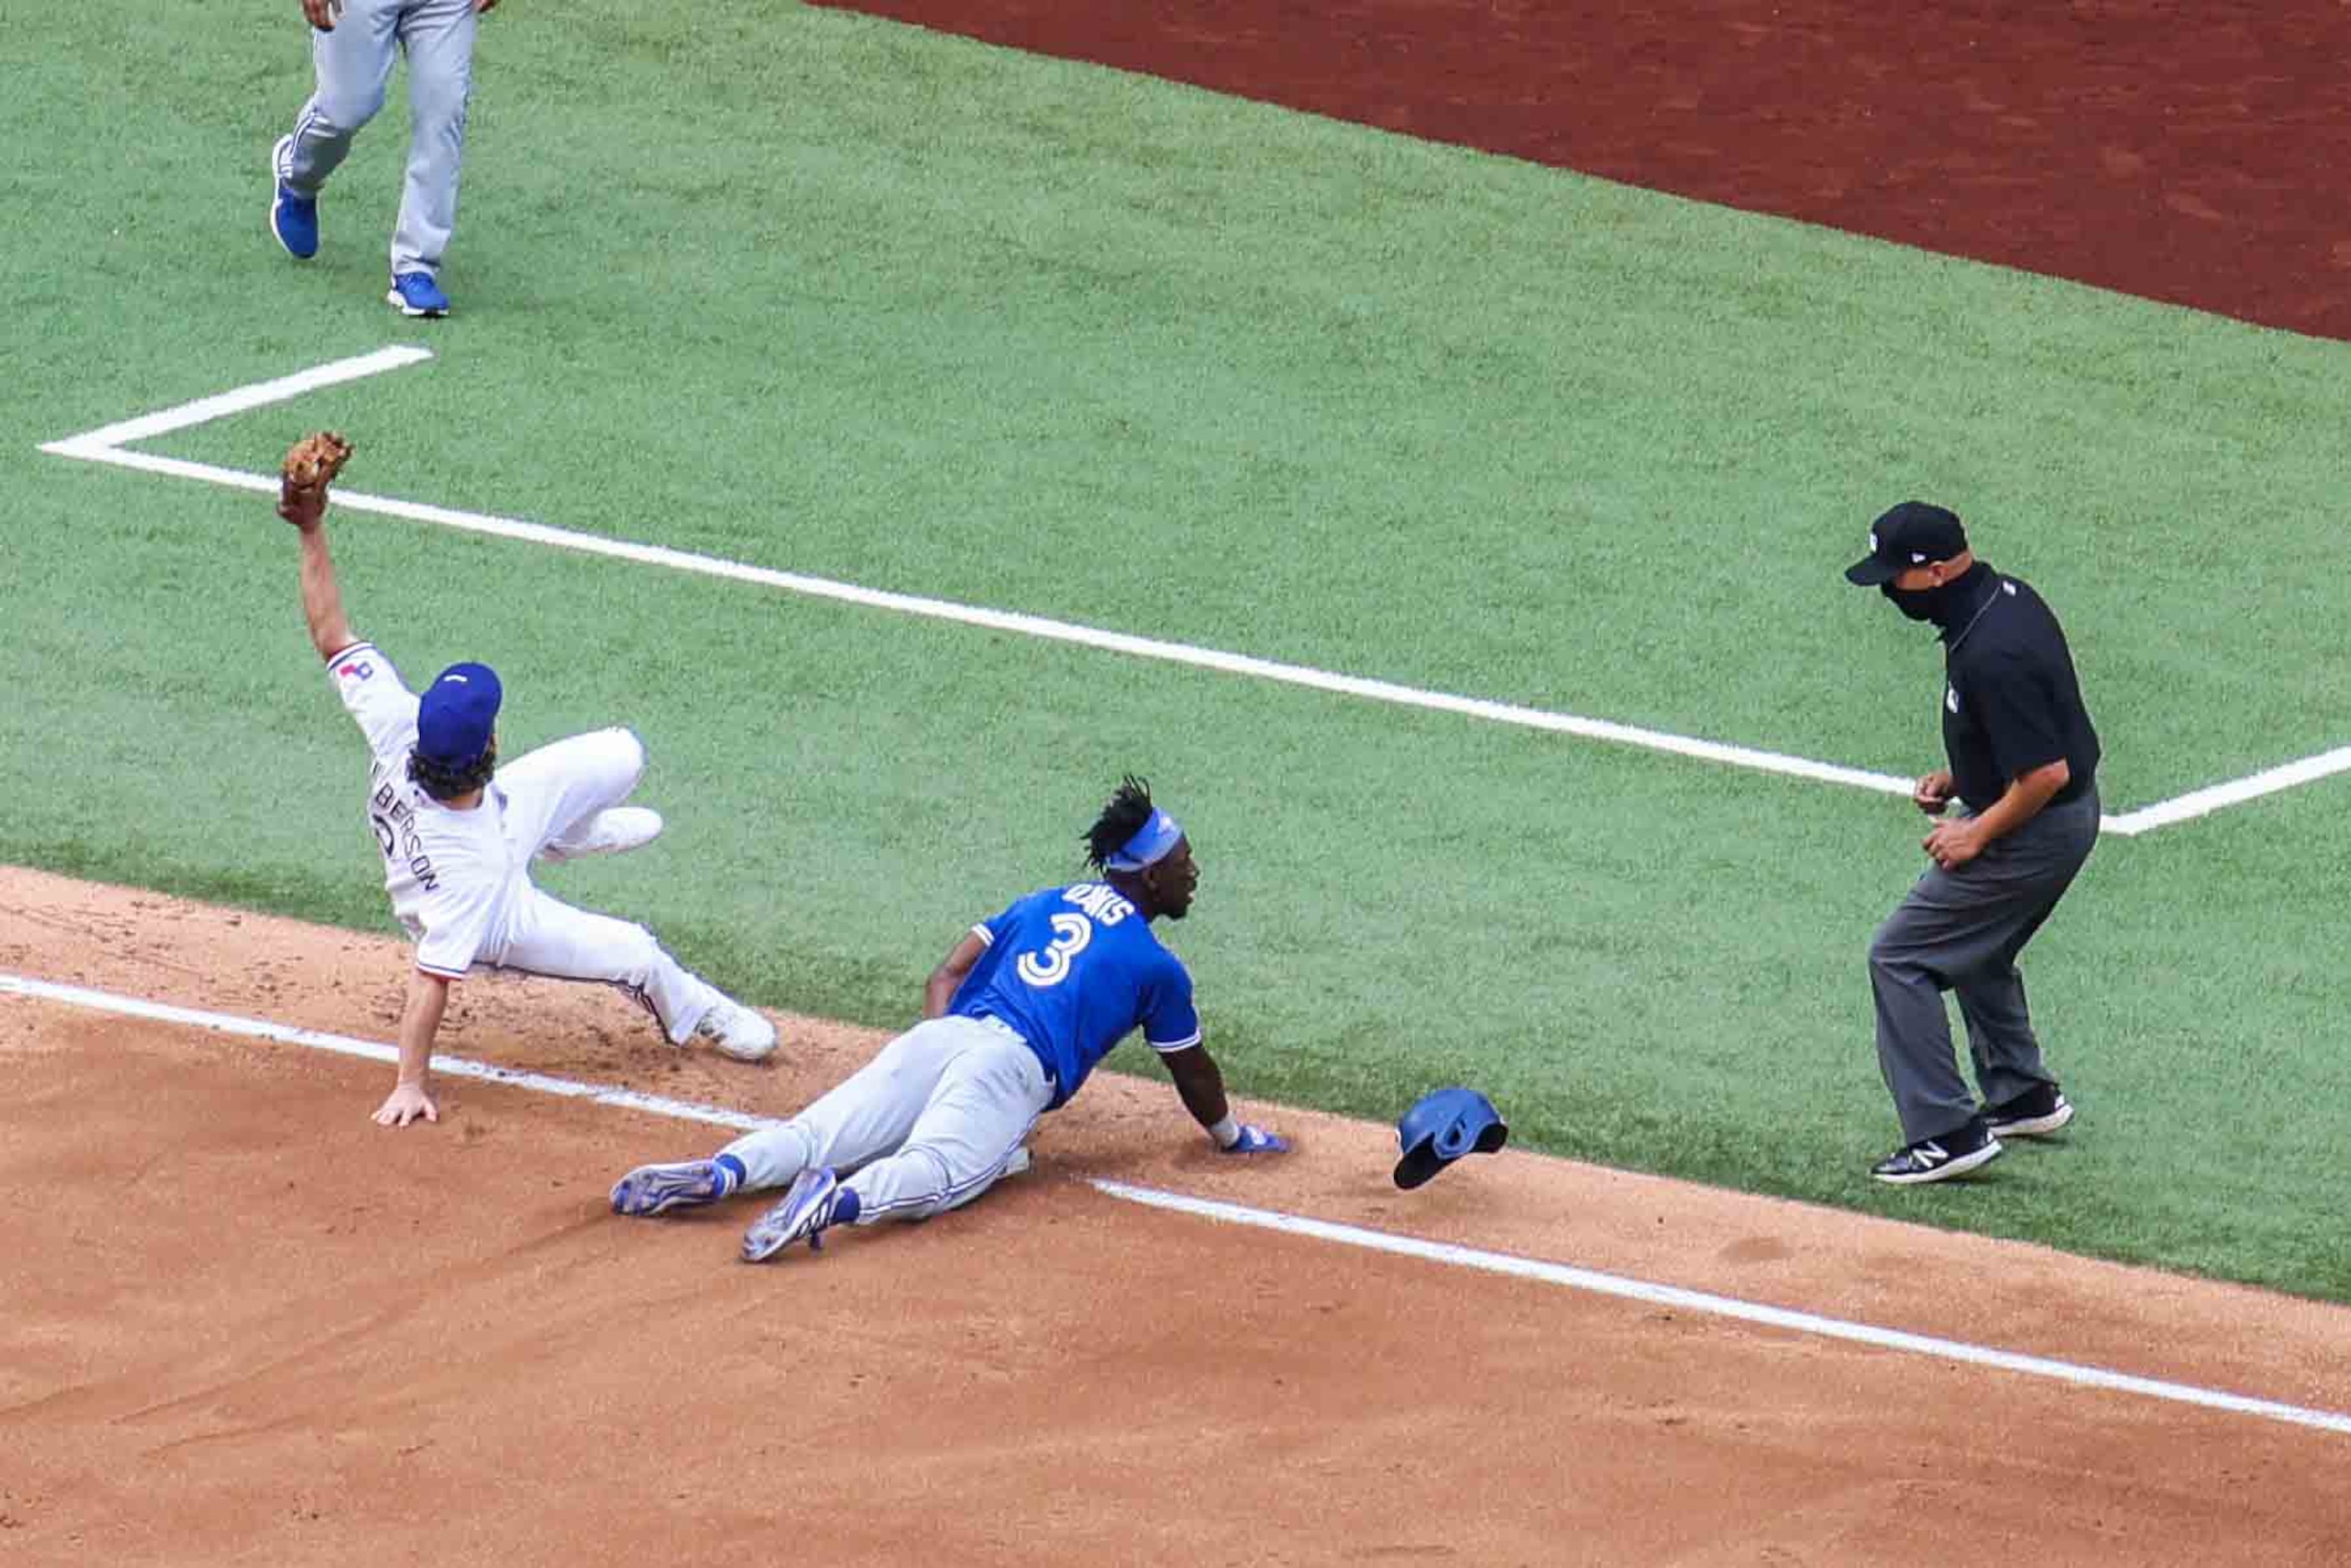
<point>614,831</point>
<point>736,1030</point>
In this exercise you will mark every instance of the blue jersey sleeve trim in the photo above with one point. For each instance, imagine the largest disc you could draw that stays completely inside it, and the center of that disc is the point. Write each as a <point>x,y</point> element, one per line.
<point>1170,1047</point>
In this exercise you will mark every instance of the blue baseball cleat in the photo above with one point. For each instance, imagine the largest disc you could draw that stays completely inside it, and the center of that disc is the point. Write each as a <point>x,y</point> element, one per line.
<point>293,219</point>
<point>415,294</point>
<point>808,1206</point>
<point>657,1189</point>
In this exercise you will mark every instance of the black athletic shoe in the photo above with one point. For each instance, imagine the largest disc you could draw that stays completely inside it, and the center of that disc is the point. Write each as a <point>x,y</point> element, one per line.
<point>2035,1113</point>
<point>1934,1159</point>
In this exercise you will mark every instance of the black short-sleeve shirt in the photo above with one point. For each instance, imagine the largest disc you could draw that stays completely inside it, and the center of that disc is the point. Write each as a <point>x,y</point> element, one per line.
<point>2011,702</point>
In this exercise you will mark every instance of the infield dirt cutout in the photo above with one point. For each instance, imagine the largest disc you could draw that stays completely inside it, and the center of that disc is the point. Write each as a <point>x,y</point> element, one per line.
<point>244,1324</point>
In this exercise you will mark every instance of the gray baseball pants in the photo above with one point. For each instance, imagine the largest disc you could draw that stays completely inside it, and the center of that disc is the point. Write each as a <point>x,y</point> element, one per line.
<point>928,1126</point>
<point>353,63</point>
<point>1961,931</point>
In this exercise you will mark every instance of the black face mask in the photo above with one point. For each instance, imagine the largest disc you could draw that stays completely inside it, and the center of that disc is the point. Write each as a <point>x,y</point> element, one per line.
<point>1941,605</point>
<point>1919,605</point>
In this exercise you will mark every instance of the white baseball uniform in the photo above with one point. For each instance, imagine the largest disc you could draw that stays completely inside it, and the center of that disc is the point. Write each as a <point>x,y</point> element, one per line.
<point>460,880</point>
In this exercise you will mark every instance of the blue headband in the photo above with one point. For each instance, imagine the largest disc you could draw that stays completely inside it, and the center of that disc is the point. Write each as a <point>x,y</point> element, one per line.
<point>1149,846</point>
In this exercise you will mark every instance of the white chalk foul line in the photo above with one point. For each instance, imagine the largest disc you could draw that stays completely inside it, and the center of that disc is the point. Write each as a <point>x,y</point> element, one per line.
<point>1290,1224</point>
<point>2203,803</point>
<point>91,443</point>
<point>106,445</point>
<point>1729,1307</point>
<point>375,1050</point>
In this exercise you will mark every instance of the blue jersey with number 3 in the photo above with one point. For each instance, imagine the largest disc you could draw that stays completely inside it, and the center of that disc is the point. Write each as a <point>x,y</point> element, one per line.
<point>1072,969</point>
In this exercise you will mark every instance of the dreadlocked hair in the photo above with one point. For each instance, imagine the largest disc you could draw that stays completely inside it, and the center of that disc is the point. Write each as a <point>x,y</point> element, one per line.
<point>1129,809</point>
<point>445,783</point>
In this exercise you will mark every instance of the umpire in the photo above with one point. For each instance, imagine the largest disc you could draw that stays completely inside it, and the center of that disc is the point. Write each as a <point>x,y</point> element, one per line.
<point>2024,768</point>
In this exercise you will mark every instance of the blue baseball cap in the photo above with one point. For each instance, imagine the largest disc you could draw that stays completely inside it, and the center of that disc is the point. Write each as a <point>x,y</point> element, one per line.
<point>458,715</point>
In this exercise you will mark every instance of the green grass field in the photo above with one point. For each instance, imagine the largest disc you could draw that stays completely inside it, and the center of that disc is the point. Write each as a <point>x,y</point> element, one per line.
<point>822,295</point>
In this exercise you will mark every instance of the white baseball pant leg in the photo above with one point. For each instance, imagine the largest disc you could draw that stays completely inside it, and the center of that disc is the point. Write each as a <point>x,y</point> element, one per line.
<point>928,1126</point>
<point>549,793</point>
<point>554,793</point>
<point>548,936</point>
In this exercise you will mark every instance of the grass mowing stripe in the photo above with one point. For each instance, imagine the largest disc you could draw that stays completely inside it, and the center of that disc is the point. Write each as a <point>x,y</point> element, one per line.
<point>100,445</point>
<point>97,447</point>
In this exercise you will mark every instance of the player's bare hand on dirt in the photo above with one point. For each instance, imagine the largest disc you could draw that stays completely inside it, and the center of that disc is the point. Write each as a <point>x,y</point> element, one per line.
<point>309,467</point>
<point>407,1104</point>
<point>1257,1141</point>
<point>1932,793</point>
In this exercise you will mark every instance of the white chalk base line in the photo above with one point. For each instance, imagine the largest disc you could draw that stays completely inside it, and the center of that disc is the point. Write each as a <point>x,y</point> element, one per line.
<point>1438,1253</point>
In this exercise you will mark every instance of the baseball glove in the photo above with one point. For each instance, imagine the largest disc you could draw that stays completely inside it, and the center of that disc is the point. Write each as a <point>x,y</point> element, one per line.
<point>310,465</point>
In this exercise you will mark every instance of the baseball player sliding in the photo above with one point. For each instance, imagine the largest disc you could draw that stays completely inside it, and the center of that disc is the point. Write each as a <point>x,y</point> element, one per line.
<point>1015,1017</point>
<point>458,832</point>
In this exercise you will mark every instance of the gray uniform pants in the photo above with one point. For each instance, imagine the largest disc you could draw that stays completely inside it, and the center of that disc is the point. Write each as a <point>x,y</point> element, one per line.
<point>928,1126</point>
<point>353,63</point>
<point>1961,931</point>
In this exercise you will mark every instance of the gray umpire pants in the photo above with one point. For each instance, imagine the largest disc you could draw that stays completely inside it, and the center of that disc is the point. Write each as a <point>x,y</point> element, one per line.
<point>1961,931</point>
<point>353,64</point>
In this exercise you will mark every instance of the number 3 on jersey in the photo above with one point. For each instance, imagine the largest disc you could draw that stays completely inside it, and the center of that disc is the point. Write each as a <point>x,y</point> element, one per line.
<point>1051,966</point>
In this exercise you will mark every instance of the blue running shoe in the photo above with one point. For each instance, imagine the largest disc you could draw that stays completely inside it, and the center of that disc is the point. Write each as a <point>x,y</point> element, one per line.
<point>293,219</point>
<point>657,1189</point>
<point>808,1207</point>
<point>415,294</point>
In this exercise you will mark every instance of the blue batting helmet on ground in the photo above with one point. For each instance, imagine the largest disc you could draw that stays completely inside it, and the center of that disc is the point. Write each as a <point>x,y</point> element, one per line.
<point>1443,1126</point>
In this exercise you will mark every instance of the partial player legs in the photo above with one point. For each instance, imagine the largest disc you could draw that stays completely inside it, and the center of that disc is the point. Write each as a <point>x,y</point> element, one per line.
<point>934,1120</point>
<point>925,1125</point>
<point>974,1126</point>
<point>438,36</point>
<point>352,64</point>
<point>1914,1032</point>
<point>554,794</point>
<point>549,936</point>
<point>1964,929</point>
<point>2006,1052</point>
<point>866,1116</point>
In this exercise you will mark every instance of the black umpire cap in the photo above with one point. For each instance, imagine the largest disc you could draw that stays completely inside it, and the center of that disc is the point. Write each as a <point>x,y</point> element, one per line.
<point>1912,534</point>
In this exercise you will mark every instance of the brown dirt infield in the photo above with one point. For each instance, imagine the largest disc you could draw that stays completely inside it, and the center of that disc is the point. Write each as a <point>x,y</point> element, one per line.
<point>2184,153</point>
<point>244,1324</point>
